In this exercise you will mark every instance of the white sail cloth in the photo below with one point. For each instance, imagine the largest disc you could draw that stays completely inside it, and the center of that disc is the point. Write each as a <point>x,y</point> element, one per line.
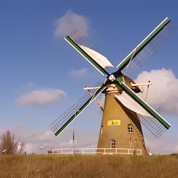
<point>99,58</point>
<point>131,104</point>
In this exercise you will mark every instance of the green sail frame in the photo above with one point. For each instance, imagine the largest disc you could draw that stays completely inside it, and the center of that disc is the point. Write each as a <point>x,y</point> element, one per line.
<point>67,122</point>
<point>86,56</point>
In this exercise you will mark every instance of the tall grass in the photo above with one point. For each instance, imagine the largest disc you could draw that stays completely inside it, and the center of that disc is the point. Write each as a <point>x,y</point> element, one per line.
<point>78,166</point>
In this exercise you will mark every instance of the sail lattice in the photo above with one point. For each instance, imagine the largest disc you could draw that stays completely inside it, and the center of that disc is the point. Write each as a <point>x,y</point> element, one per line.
<point>139,60</point>
<point>153,125</point>
<point>67,117</point>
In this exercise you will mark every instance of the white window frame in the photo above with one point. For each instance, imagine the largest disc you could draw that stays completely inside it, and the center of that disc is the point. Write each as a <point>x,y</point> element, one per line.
<point>113,143</point>
<point>130,128</point>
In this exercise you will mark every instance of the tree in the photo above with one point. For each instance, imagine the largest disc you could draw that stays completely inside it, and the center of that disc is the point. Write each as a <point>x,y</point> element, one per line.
<point>9,146</point>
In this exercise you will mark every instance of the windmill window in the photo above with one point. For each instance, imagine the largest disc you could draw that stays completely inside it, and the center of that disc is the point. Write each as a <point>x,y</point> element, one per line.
<point>112,143</point>
<point>130,128</point>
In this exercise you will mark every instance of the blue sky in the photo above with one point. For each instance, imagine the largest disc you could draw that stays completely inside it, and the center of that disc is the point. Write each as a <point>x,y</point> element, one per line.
<point>41,75</point>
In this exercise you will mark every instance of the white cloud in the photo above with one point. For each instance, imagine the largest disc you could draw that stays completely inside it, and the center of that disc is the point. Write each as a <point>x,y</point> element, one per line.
<point>69,143</point>
<point>71,22</point>
<point>37,142</point>
<point>164,145</point>
<point>34,140</point>
<point>29,148</point>
<point>83,139</point>
<point>163,93</point>
<point>40,97</point>
<point>78,73</point>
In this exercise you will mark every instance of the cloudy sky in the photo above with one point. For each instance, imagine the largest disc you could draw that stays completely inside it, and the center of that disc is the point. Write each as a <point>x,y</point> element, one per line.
<point>42,76</point>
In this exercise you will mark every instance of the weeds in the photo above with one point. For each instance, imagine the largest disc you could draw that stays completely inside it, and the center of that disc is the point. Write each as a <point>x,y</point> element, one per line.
<point>78,166</point>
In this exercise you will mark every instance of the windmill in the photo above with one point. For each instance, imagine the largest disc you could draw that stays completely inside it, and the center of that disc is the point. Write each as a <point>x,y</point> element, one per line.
<point>124,111</point>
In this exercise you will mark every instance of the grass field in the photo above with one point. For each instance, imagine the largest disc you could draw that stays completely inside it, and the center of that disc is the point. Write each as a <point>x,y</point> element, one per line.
<point>78,166</point>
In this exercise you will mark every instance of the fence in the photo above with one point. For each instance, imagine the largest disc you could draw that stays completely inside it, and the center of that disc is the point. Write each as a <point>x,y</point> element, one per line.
<point>96,151</point>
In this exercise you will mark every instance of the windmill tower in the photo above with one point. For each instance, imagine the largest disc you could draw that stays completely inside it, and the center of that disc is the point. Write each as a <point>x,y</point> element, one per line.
<point>120,126</point>
<point>124,110</point>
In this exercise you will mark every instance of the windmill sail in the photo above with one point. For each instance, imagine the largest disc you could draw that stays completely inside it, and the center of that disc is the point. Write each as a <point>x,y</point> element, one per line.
<point>150,122</point>
<point>87,56</point>
<point>153,125</point>
<point>162,122</point>
<point>66,118</point>
<point>99,58</point>
<point>147,47</point>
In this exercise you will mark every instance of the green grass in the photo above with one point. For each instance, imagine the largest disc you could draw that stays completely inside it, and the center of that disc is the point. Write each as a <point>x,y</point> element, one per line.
<point>78,166</point>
